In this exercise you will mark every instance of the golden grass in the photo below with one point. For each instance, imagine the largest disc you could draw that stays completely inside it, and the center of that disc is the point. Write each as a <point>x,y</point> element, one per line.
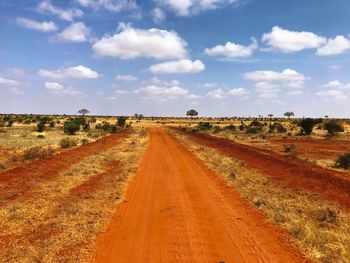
<point>319,229</point>
<point>56,225</point>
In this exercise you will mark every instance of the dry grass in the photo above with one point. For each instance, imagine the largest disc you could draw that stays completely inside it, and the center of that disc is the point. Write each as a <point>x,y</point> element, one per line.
<point>319,229</point>
<point>58,223</point>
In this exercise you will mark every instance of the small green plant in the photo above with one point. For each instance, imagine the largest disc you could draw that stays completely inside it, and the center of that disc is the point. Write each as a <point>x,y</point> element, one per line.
<point>307,125</point>
<point>343,161</point>
<point>253,129</point>
<point>68,142</point>
<point>71,127</point>
<point>204,126</point>
<point>121,121</point>
<point>289,148</point>
<point>333,127</point>
<point>231,127</point>
<point>40,126</point>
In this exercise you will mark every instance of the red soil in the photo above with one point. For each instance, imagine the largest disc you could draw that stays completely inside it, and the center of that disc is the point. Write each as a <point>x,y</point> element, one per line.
<point>330,184</point>
<point>17,182</point>
<point>314,148</point>
<point>178,210</point>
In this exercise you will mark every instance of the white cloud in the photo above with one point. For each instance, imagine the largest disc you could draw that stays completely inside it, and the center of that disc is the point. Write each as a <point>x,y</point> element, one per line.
<point>68,14</point>
<point>180,66</point>
<point>336,84</point>
<point>232,50</point>
<point>46,26</point>
<point>132,43</point>
<point>126,77</point>
<point>158,15</point>
<point>333,94</point>
<point>266,89</point>
<point>53,86</point>
<point>288,77</point>
<point>58,89</point>
<point>110,5</point>
<point>238,92</point>
<point>161,91</point>
<point>216,94</point>
<point>292,41</point>
<point>76,32</point>
<point>190,7</point>
<point>209,85</point>
<point>335,46</point>
<point>78,72</point>
<point>8,82</point>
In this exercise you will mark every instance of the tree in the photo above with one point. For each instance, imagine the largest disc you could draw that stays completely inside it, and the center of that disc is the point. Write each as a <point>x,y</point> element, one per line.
<point>83,112</point>
<point>333,127</point>
<point>289,114</point>
<point>71,127</point>
<point>192,113</point>
<point>121,121</point>
<point>307,125</point>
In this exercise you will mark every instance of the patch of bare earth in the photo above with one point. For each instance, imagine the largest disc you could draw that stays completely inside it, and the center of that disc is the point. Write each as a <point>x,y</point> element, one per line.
<point>61,217</point>
<point>318,228</point>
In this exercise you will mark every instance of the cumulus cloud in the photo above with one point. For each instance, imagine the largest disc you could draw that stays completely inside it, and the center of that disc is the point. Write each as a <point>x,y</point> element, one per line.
<point>335,46</point>
<point>158,15</point>
<point>269,83</point>
<point>216,94</point>
<point>336,94</point>
<point>238,92</point>
<point>288,77</point>
<point>65,14</point>
<point>8,82</point>
<point>76,32</point>
<point>46,26</point>
<point>190,7</point>
<point>180,66</point>
<point>110,5</point>
<point>78,72</point>
<point>132,43</point>
<point>232,50</point>
<point>161,91</point>
<point>58,89</point>
<point>11,84</point>
<point>126,77</point>
<point>292,41</point>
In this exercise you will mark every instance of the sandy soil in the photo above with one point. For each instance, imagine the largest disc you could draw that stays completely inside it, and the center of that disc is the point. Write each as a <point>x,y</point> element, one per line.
<point>332,185</point>
<point>178,210</point>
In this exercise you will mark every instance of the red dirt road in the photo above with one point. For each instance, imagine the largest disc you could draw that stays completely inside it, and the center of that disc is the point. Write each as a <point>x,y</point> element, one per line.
<point>332,185</point>
<point>178,210</point>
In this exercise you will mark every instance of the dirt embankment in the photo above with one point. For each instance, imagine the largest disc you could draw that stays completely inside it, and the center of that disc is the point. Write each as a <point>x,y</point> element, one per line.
<point>178,210</point>
<point>332,185</point>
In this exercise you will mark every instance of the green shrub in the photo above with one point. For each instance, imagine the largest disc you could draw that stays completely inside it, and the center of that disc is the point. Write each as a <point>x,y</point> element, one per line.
<point>343,161</point>
<point>68,142</point>
<point>333,127</point>
<point>71,127</point>
<point>204,126</point>
<point>278,127</point>
<point>307,125</point>
<point>253,130</point>
<point>121,121</point>
<point>231,127</point>
<point>40,126</point>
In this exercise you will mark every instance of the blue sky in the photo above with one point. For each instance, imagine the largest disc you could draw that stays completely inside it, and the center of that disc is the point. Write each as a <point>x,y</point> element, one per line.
<point>163,57</point>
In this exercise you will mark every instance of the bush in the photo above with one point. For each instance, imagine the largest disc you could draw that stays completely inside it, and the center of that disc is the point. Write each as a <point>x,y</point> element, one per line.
<point>40,126</point>
<point>253,130</point>
<point>231,127</point>
<point>255,123</point>
<point>289,148</point>
<point>71,127</point>
<point>68,142</point>
<point>307,125</point>
<point>278,127</point>
<point>343,161</point>
<point>37,152</point>
<point>108,128</point>
<point>333,127</point>
<point>121,121</point>
<point>204,126</point>
<point>52,124</point>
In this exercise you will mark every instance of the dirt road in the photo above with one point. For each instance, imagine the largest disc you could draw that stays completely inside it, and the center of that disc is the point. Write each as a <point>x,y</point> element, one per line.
<point>332,185</point>
<point>177,210</point>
